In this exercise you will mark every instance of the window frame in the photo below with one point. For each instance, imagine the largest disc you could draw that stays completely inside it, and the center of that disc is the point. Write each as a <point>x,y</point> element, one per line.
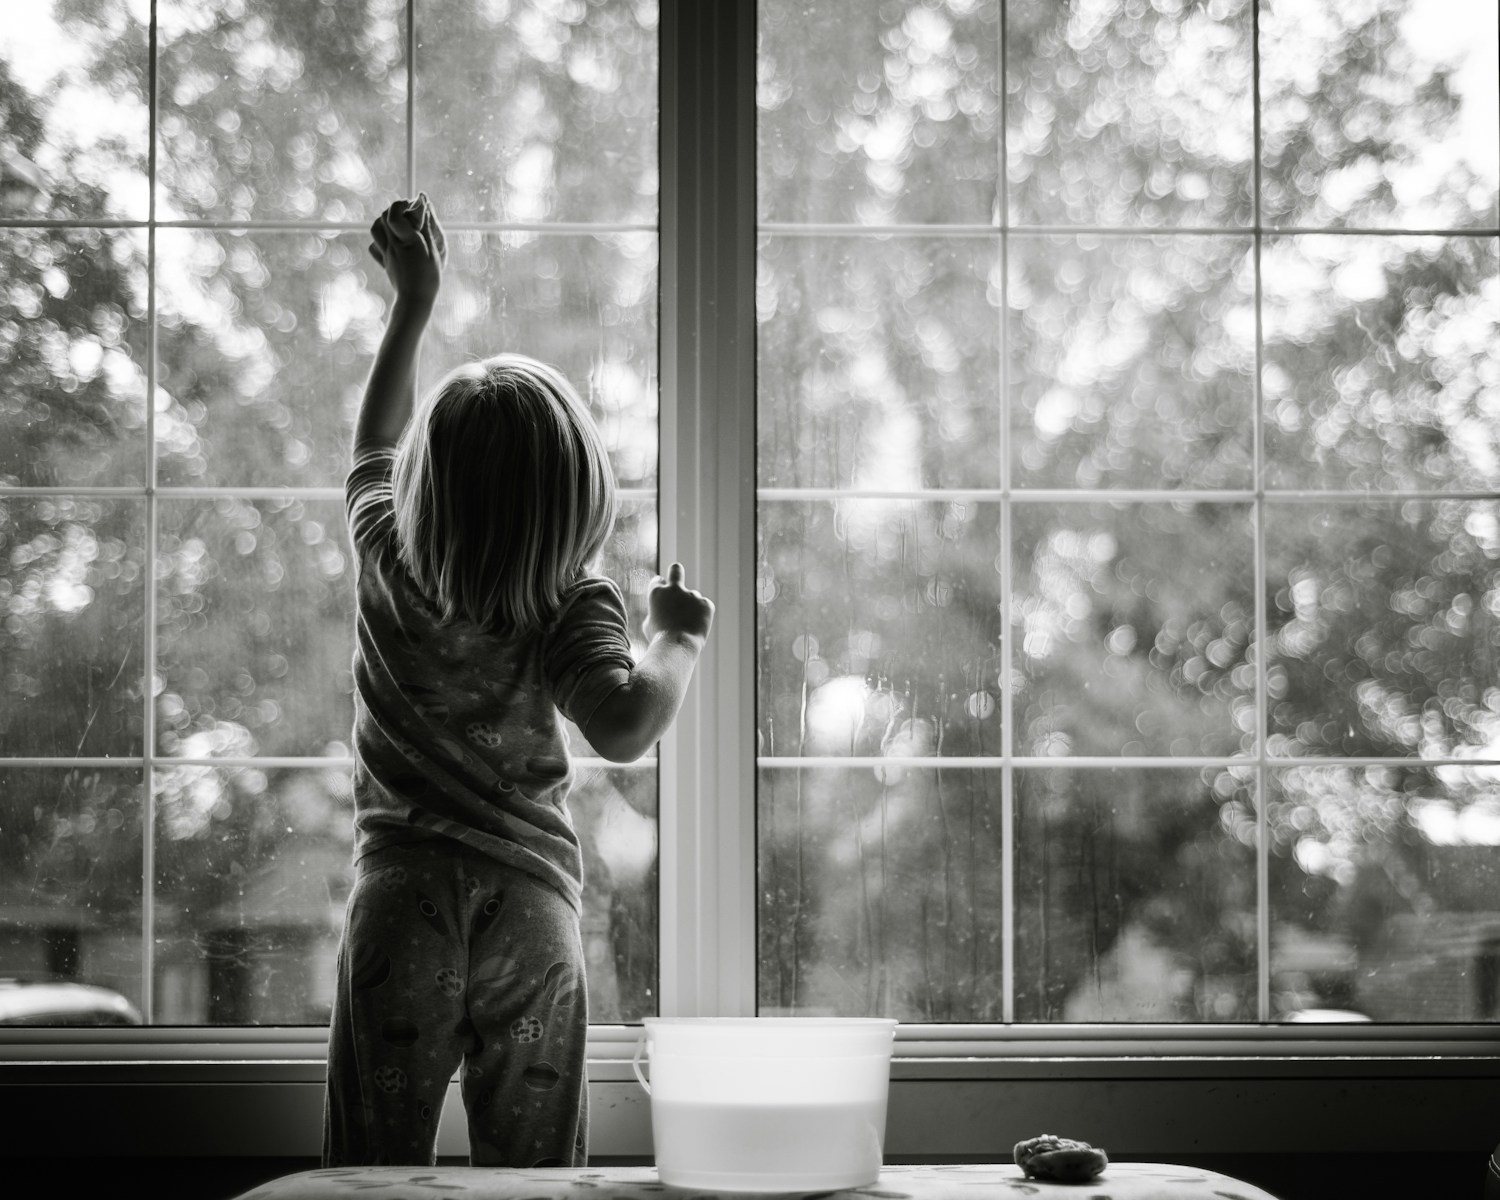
<point>1258,1082</point>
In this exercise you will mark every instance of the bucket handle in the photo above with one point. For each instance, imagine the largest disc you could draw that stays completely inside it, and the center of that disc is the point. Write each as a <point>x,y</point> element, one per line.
<point>635,1063</point>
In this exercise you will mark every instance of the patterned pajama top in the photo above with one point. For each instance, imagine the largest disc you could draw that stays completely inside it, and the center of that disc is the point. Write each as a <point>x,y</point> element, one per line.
<point>458,732</point>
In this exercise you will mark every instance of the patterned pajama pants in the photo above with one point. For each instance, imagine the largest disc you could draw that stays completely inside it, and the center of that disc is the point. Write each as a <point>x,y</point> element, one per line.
<point>449,957</point>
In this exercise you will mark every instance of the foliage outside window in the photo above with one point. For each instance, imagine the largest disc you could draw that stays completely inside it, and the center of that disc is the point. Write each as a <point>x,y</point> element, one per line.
<point>1126,567</point>
<point>1129,556</point>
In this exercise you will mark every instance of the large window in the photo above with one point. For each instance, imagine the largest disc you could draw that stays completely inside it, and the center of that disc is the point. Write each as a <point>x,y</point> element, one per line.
<point>187,313</point>
<point>1125,572</point>
<point>1128,567</point>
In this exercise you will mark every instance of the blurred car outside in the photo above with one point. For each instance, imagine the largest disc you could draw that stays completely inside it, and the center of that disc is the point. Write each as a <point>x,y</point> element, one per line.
<point>58,1002</point>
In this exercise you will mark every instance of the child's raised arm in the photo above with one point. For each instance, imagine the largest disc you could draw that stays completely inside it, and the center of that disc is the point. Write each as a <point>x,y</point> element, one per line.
<point>407,241</point>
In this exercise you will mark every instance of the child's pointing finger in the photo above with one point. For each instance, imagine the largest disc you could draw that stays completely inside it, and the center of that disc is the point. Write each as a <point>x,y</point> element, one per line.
<point>675,574</point>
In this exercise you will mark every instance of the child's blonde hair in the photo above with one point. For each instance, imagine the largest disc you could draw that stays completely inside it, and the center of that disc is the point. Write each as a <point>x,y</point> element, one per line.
<point>503,493</point>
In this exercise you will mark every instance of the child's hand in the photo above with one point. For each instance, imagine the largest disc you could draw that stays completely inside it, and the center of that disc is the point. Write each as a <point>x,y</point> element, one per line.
<point>672,607</point>
<point>408,242</point>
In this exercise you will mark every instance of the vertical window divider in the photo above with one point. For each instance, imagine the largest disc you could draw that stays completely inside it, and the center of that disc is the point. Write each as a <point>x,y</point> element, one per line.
<point>148,631</point>
<point>706,502</point>
<point>411,97</point>
<point>1007,571</point>
<point>1258,534</point>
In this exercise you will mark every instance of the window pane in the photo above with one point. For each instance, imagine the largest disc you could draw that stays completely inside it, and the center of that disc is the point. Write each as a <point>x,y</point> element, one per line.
<point>265,341</point>
<point>1382,626</point>
<point>252,872</point>
<point>287,116</point>
<point>1380,114</point>
<point>1132,361</point>
<point>878,113</point>
<point>72,357</point>
<point>73,104</point>
<point>584,304</point>
<point>72,589</point>
<point>614,812</point>
<point>880,893</point>
<point>1133,625</point>
<point>1129,114</point>
<point>1383,885</point>
<point>1135,896</point>
<point>70,896</point>
<point>255,612</point>
<point>544,114</point>
<point>879,627</point>
<point>281,108</point>
<point>1382,362</point>
<point>878,362</point>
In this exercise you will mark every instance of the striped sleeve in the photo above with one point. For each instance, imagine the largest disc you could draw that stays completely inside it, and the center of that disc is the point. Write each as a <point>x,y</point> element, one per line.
<point>369,500</point>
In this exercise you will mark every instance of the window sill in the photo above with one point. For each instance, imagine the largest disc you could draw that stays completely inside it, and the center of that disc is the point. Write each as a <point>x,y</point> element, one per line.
<point>957,1093</point>
<point>922,1051</point>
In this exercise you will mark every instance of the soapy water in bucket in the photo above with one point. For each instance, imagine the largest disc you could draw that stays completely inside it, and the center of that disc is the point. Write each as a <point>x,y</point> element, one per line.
<point>768,1104</point>
<point>774,1147</point>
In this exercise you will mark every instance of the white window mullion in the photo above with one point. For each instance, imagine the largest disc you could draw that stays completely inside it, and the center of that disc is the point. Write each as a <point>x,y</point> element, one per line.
<point>707,499</point>
<point>1258,530</point>
<point>1007,572</point>
<point>148,657</point>
<point>411,97</point>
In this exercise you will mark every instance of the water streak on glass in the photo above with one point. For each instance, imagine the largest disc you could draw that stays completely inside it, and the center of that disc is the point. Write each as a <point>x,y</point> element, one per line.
<point>72,594</point>
<point>878,362</point>
<point>1135,895</point>
<point>880,893</point>
<point>879,628</point>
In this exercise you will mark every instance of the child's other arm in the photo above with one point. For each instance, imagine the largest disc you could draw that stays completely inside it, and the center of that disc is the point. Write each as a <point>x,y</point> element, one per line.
<point>407,241</point>
<point>633,717</point>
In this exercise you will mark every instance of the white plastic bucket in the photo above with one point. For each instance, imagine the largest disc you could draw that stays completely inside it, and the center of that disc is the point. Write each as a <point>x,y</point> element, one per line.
<point>767,1104</point>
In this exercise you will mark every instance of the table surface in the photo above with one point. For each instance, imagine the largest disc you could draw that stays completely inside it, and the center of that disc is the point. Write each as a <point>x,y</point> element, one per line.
<point>1120,1181</point>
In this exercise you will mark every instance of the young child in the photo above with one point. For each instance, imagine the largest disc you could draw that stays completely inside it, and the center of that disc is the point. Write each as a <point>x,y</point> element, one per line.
<point>476,531</point>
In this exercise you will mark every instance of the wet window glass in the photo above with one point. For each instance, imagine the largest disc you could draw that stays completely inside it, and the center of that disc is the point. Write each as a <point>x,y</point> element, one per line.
<point>1127,560</point>
<point>183,356</point>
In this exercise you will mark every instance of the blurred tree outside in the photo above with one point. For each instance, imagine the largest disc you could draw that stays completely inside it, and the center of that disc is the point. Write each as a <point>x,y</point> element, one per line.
<point>1064,359</point>
<point>1125,357</point>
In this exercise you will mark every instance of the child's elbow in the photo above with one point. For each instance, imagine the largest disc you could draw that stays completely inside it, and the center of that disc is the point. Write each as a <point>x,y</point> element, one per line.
<point>616,747</point>
<point>614,730</point>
